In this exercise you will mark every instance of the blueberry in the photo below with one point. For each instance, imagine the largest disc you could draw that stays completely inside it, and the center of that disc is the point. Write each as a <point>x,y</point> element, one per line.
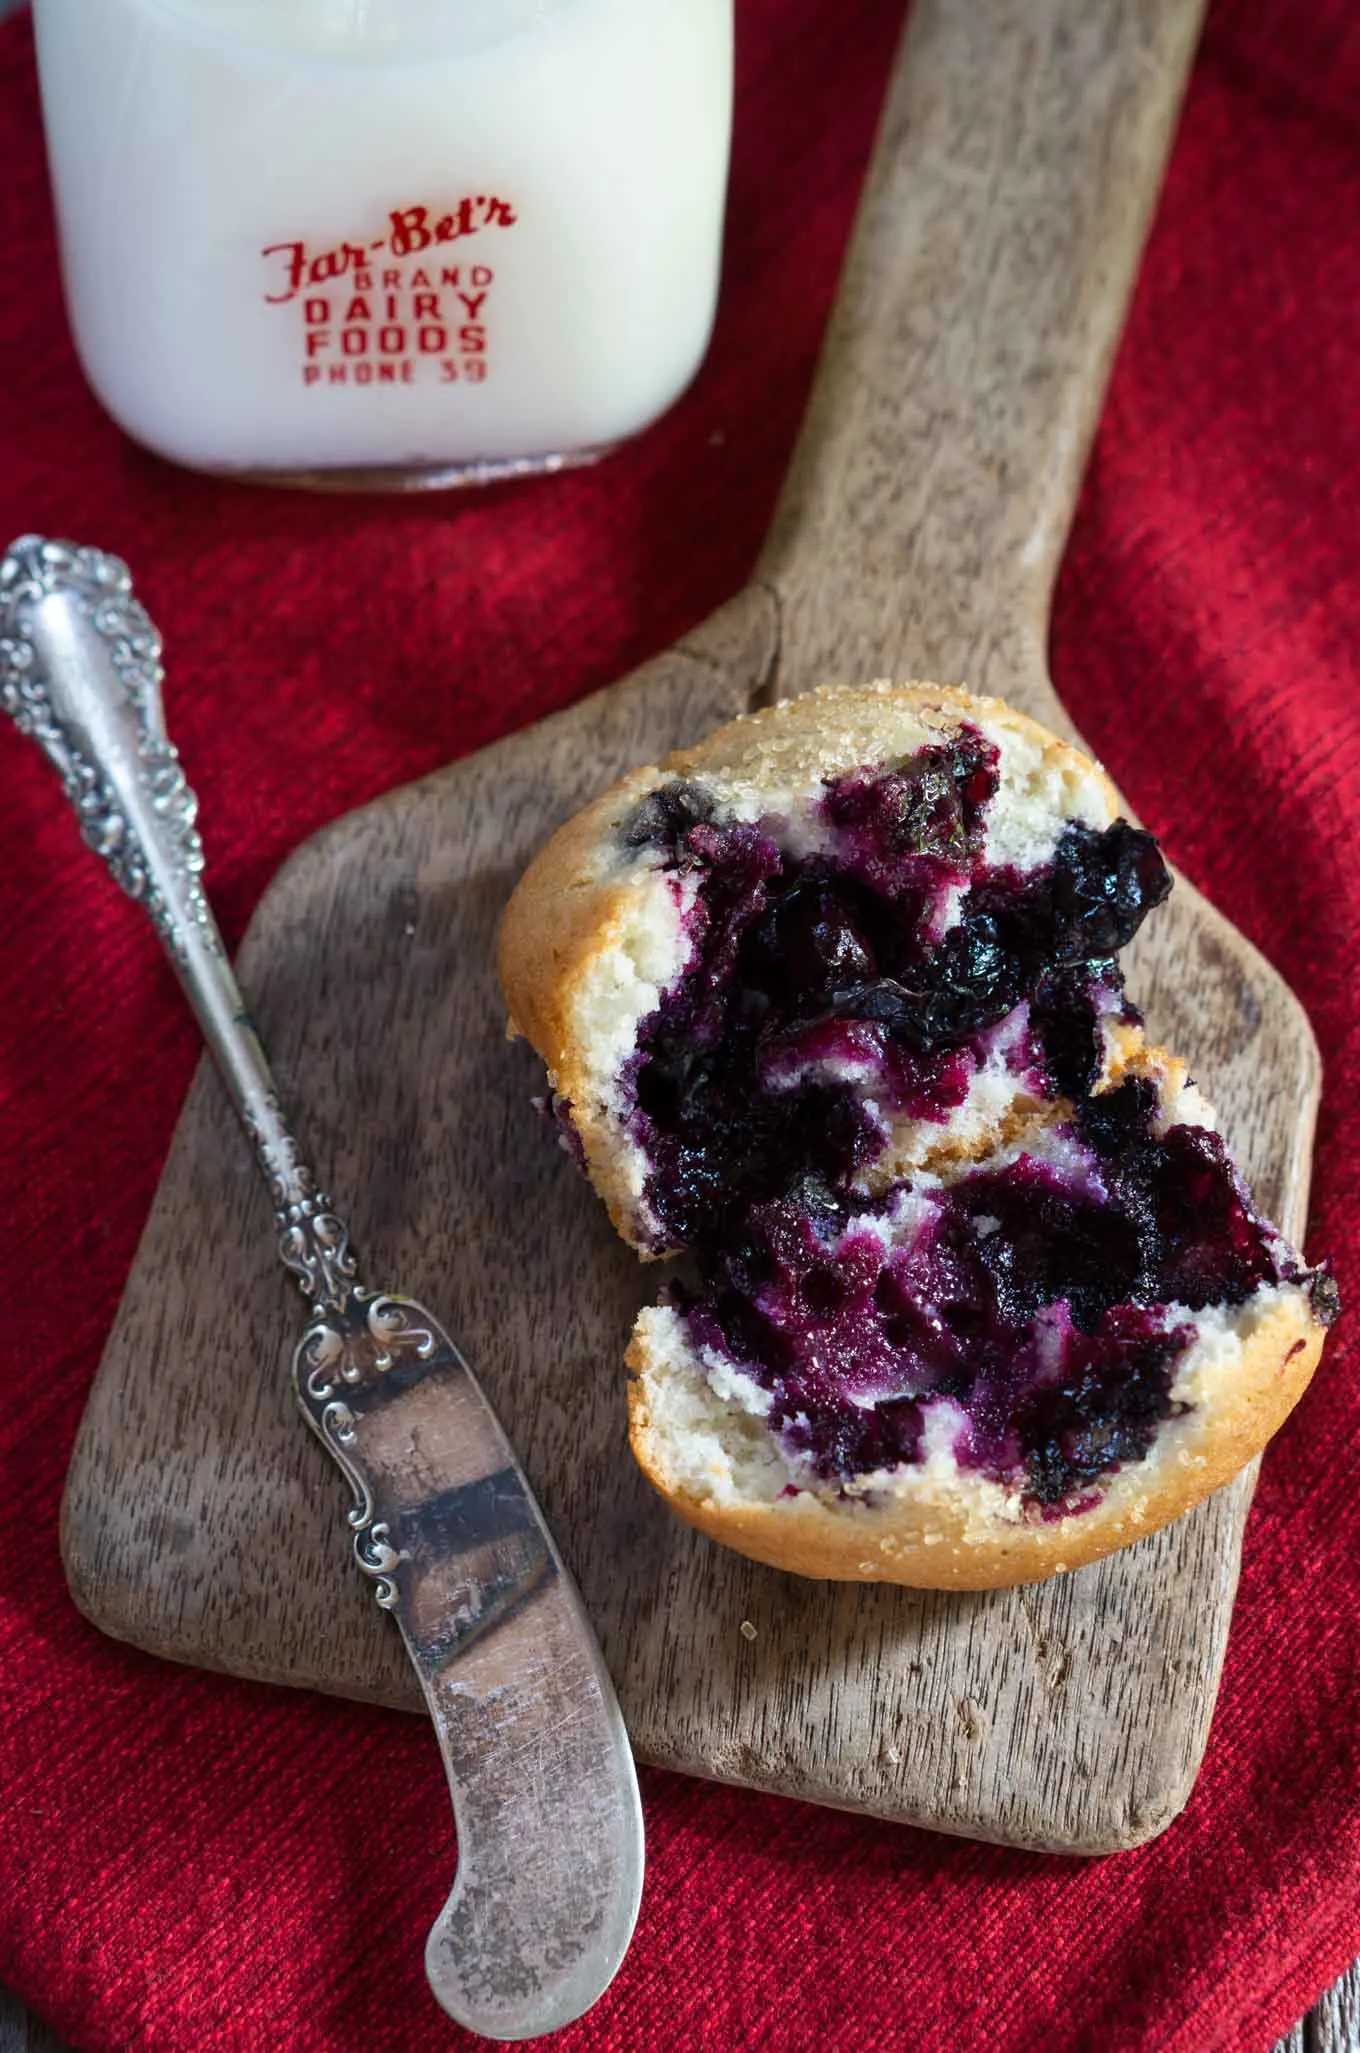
<point>1104,885</point>
<point>809,944</point>
<point>882,1001</point>
<point>1064,1021</point>
<point>665,816</point>
<point>1117,1122</point>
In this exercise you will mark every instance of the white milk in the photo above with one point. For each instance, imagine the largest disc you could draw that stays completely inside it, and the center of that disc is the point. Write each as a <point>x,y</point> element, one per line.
<point>407,235</point>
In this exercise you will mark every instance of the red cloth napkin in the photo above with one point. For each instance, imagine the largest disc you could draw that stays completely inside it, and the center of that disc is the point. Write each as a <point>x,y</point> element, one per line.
<point>190,1863</point>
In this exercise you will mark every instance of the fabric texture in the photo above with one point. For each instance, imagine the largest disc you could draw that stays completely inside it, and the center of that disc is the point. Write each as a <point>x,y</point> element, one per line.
<point>191,1863</point>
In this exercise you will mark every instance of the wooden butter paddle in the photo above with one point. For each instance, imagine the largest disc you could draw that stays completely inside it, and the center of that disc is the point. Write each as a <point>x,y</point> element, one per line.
<point>918,536</point>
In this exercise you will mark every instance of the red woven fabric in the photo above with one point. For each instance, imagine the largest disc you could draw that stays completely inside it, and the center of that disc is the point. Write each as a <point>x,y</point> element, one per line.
<point>188,1863</point>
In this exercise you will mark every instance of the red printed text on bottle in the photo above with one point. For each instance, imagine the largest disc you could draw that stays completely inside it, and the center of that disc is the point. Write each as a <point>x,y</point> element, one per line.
<point>393,309</point>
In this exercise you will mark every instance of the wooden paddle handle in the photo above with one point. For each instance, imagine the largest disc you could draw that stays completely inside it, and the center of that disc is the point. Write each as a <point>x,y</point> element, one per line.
<point>1020,153</point>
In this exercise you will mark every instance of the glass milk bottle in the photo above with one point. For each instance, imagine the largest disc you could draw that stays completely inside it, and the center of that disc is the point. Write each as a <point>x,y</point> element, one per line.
<point>390,243</point>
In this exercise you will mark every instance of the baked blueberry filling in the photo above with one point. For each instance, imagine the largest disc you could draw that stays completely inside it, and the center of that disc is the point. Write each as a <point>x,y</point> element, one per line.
<point>1033,1309</point>
<point>832,991</point>
<point>1044,1298</point>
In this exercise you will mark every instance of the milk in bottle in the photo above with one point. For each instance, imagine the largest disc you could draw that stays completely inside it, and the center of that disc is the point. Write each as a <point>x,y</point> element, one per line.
<point>387,241</point>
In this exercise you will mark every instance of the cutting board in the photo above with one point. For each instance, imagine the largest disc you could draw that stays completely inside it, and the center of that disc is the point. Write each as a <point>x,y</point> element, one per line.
<point>919,535</point>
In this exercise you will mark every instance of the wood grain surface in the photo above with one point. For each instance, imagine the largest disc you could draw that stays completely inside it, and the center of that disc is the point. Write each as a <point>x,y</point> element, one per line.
<point>919,535</point>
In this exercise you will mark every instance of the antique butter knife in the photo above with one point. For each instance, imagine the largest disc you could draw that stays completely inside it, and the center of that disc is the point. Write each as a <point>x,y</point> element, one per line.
<point>545,1797</point>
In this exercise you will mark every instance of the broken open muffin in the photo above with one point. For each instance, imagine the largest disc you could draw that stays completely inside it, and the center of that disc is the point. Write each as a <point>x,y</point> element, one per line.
<point>831,1006</point>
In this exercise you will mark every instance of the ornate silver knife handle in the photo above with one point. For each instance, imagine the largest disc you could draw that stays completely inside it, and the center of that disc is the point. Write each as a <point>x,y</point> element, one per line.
<point>545,1797</point>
